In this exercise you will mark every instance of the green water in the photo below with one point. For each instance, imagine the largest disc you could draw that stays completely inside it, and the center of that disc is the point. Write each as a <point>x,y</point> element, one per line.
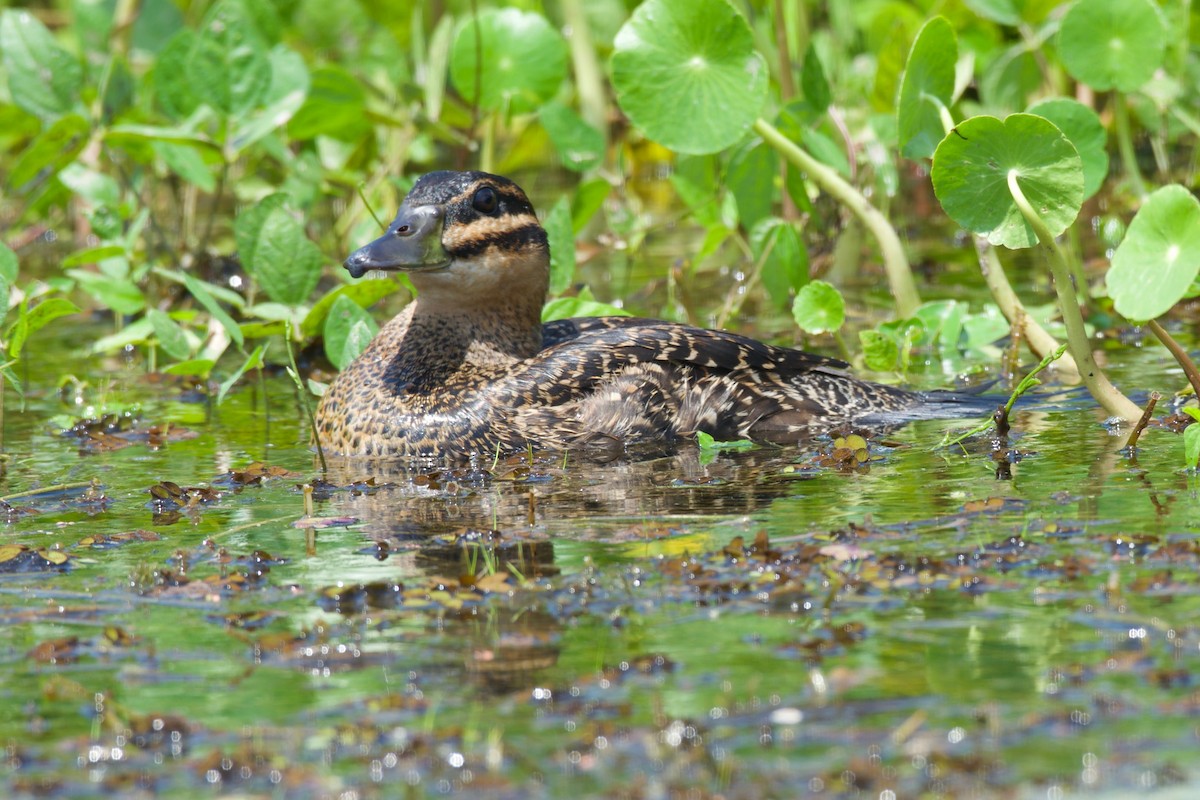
<point>919,627</point>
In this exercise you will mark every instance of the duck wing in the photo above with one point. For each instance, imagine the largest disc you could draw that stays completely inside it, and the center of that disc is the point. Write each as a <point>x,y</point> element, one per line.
<point>605,344</point>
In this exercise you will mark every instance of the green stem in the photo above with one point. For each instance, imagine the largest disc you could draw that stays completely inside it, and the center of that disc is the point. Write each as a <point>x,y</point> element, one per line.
<point>1039,340</point>
<point>1098,384</point>
<point>1125,144</point>
<point>900,277</point>
<point>589,76</point>
<point>294,371</point>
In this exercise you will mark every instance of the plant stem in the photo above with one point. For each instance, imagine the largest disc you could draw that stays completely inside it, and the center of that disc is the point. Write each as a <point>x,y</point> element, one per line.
<point>1189,367</point>
<point>1098,384</point>
<point>1039,340</point>
<point>589,81</point>
<point>1125,144</point>
<point>294,371</point>
<point>900,277</point>
<point>1131,443</point>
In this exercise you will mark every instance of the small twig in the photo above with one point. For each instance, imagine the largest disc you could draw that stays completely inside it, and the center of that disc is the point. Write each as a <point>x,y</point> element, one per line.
<point>1185,361</point>
<point>1131,444</point>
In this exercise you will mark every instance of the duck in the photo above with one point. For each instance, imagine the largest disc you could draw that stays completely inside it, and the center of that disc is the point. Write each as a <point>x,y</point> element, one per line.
<point>468,368</point>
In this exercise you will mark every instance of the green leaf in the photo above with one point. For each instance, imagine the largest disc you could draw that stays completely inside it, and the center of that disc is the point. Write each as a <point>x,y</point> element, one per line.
<point>927,89</point>
<point>686,72</point>
<point>561,235</point>
<point>1191,445</point>
<point>364,293</point>
<point>157,133</point>
<point>348,331</point>
<point>971,168</point>
<point>95,187</point>
<point>1081,125</point>
<point>121,295</point>
<point>589,198</point>
<point>92,255</point>
<point>193,366</point>
<point>582,305</point>
<point>137,332</point>
<point>819,308</point>
<point>171,337</point>
<point>8,268</point>
<point>880,351</point>
<point>751,175</point>
<point>1113,44</point>
<point>523,60</point>
<point>186,162</point>
<point>43,78</point>
<point>813,82</point>
<point>335,106</point>
<point>275,250</point>
<point>1155,265</point>
<point>580,146</point>
<point>284,95</point>
<point>229,63</point>
<point>32,320</point>
<point>199,291</point>
<point>175,92</point>
<point>1003,12</point>
<point>785,268</point>
<point>53,149</point>
<point>253,361</point>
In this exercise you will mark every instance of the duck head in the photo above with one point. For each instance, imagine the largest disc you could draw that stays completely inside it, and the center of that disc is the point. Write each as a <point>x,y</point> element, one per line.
<point>465,234</point>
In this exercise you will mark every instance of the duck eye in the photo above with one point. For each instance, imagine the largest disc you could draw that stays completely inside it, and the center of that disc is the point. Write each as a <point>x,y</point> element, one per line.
<point>484,200</point>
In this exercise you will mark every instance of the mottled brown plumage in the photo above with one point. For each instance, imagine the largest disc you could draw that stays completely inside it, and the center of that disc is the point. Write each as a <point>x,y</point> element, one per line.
<point>468,367</point>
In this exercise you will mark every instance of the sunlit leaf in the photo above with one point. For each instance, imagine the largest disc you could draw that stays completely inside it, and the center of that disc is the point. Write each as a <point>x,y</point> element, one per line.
<point>348,331</point>
<point>1082,126</point>
<point>819,308</point>
<point>43,78</point>
<point>972,165</point>
<point>687,73</point>
<point>273,246</point>
<point>1155,265</point>
<point>1113,44</point>
<point>561,235</point>
<point>171,337</point>
<point>927,89</point>
<point>508,59</point>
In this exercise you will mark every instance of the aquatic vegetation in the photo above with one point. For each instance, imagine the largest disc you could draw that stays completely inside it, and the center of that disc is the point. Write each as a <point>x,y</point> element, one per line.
<point>189,604</point>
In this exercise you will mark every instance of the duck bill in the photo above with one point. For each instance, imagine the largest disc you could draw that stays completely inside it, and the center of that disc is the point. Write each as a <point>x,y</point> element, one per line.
<point>413,243</point>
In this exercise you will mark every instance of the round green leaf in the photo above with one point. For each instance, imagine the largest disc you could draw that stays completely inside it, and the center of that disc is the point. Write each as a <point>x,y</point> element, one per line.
<point>521,60</point>
<point>971,168</point>
<point>686,72</point>
<point>927,88</point>
<point>1081,125</point>
<point>1153,268</point>
<point>819,308</point>
<point>1111,44</point>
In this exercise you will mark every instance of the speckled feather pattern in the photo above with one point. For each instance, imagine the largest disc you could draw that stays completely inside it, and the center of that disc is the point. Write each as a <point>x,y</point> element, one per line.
<point>463,373</point>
